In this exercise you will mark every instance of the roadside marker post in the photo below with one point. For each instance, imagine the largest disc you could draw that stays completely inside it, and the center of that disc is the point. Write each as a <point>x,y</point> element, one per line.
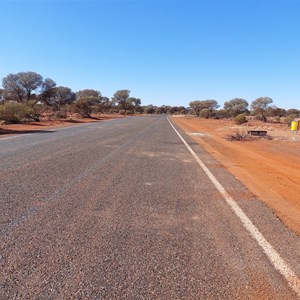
<point>294,126</point>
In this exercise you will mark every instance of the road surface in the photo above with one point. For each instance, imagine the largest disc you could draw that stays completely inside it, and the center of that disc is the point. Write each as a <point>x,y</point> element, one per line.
<point>121,209</point>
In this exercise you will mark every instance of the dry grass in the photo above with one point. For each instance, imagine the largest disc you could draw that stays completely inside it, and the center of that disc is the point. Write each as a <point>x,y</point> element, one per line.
<point>238,135</point>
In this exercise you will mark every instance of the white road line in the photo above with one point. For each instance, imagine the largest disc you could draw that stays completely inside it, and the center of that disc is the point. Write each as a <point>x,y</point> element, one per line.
<point>15,136</point>
<point>274,257</point>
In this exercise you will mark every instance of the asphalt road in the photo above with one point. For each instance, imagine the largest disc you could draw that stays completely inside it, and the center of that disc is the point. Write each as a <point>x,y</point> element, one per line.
<point>121,210</point>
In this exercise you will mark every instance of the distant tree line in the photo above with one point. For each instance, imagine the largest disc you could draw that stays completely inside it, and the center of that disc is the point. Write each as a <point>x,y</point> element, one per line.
<point>28,96</point>
<point>261,108</point>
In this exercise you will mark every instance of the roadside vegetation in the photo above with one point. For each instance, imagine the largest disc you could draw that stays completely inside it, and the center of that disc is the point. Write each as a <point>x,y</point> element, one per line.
<point>240,111</point>
<point>27,96</point>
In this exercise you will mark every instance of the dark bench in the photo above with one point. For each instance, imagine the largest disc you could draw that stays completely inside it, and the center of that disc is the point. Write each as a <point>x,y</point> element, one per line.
<point>257,132</point>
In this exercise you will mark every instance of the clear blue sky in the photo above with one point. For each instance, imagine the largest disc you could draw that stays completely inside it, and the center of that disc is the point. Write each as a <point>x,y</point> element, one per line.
<point>165,52</point>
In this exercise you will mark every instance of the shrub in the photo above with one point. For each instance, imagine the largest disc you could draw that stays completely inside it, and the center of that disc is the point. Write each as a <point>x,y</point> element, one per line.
<point>205,113</point>
<point>238,136</point>
<point>83,106</point>
<point>293,111</point>
<point>61,114</point>
<point>240,119</point>
<point>290,118</point>
<point>14,112</point>
<point>276,119</point>
<point>259,117</point>
<point>221,114</point>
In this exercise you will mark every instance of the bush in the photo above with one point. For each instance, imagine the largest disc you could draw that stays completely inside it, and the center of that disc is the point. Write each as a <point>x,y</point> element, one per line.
<point>14,112</point>
<point>83,106</point>
<point>207,113</point>
<point>238,136</point>
<point>240,119</point>
<point>259,117</point>
<point>60,114</point>
<point>276,119</point>
<point>293,111</point>
<point>221,114</point>
<point>290,118</point>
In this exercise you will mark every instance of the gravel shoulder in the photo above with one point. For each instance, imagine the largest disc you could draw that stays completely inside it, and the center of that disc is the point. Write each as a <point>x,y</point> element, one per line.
<point>270,169</point>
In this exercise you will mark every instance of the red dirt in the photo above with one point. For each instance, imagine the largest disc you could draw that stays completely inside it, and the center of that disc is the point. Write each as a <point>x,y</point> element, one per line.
<point>13,129</point>
<point>270,169</point>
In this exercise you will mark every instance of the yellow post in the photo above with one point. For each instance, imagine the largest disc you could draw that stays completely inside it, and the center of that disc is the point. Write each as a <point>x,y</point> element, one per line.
<point>294,126</point>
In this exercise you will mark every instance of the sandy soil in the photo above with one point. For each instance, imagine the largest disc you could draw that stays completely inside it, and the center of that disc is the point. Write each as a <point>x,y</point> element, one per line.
<point>31,127</point>
<point>270,169</point>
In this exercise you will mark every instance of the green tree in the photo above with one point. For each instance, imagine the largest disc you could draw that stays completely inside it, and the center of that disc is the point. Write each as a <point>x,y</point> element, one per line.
<point>199,105</point>
<point>196,107</point>
<point>133,103</point>
<point>48,91</point>
<point>150,109</point>
<point>274,111</point>
<point>61,96</point>
<point>293,111</point>
<point>93,95</point>
<point>88,101</point>
<point>236,106</point>
<point>260,106</point>
<point>120,98</point>
<point>20,86</point>
<point>84,107</point>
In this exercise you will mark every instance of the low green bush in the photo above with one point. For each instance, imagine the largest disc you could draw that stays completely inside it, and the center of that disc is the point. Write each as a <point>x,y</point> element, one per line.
<point>240,119</point>
<point>14,112</point>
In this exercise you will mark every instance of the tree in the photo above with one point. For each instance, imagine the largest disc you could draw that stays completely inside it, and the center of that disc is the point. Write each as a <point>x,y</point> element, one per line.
<point>120,98</point>
<point>161,110</point>
<point>274,111</point>
<point>133,103</point>
<point>84,107</point>
<point>94,99</point>
<point>182,110</point>
<point>19,87</point>
<point>199,105</point>
<point>205,113</point>
<point>211,106</point>
<point>196,106</point>
<point>236,106</point>
<point>260,106</point>
<point>150,109</point>
<point>48,91</point>
<point>293,111</point>
<point>93,95</point>
<point>61,96</point>
<point>221,114</point>
<point>1,96</point>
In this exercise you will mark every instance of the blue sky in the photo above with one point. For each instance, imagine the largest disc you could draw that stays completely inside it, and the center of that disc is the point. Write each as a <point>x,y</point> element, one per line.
<point>164,52</point>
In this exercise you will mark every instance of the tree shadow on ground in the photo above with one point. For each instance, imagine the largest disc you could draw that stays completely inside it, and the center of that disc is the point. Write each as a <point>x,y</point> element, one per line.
<point>9,131</point>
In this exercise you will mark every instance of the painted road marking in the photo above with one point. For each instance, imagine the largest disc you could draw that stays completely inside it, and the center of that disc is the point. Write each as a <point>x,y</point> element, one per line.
<point>276,260</point>
<point>15,136</point>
